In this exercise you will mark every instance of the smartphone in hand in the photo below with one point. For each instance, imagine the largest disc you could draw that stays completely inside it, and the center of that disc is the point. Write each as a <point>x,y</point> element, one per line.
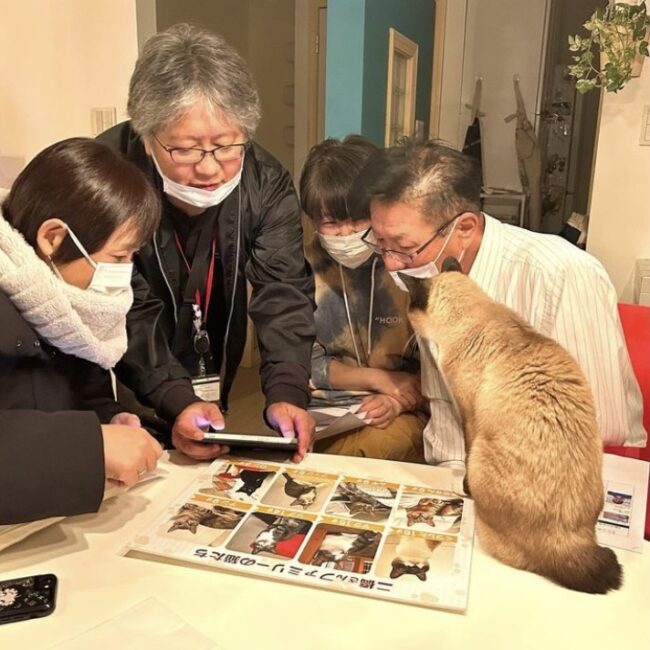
<point>272,441</point>
<point>25,598</point>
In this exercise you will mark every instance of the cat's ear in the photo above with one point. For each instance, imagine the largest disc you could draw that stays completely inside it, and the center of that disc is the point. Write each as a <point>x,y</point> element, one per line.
<point>451,264</point>
<point>418,289</point>
<point>409,281</point>
<point>397,570</point>
<point>421,572</point>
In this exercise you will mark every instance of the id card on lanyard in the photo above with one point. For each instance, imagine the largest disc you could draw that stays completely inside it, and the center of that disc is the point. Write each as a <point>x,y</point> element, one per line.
<point>206,386</point>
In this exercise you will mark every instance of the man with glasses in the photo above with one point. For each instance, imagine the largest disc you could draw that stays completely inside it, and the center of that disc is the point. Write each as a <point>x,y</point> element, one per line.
<point>230,216</point>
<point>423,200</point>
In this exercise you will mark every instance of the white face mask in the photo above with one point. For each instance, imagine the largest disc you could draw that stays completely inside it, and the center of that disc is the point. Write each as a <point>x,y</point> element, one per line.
<point>427,270</point>
<point>195,195</point>
<point>348,250</point>
<point>108,277</point>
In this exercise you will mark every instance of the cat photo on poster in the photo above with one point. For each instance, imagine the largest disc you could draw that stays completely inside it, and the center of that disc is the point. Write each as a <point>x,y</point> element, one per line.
<point>295,488</point>
<point>241,481</point>
<point>363,500</point>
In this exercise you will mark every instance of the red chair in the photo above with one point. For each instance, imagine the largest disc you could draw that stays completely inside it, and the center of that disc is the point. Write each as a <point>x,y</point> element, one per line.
<point>635,320</point>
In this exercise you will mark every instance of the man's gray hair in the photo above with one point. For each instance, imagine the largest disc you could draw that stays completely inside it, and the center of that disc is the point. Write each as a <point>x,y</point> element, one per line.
<point>185,65</point>
<point>438,180</point>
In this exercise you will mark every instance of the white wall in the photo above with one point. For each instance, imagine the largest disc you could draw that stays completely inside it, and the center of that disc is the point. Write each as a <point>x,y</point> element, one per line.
<point>262,32</point>
<point>59,58</point>
<point>146,19</point>
<point>504,37</point>
<point>271,59</point>
<point>619,225</point>
<point>452,72</point>
<point>493,39</point>
<point>303,40</point>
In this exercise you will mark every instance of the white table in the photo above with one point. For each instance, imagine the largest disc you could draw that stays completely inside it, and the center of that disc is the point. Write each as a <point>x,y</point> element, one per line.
<point>508,609</point>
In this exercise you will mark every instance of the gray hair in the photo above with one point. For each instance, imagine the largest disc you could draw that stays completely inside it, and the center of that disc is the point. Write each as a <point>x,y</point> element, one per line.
<point>436,179</point>
<point>182,65</point>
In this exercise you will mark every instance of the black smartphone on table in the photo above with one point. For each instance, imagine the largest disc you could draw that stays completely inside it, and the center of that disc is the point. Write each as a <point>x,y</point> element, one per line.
<point>25,598</point>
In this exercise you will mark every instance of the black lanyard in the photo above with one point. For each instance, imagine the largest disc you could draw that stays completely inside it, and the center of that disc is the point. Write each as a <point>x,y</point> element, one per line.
<point>193,312</point>
<point>209,279</point>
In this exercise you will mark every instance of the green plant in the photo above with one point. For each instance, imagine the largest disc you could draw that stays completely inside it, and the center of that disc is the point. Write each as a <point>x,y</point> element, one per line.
<point>618,33</point>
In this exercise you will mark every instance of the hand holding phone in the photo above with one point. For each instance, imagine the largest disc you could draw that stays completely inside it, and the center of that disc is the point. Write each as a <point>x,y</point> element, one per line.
<point>25,598</point>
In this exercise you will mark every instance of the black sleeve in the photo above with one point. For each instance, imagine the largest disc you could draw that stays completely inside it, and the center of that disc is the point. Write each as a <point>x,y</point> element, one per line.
<point>51,464</point>
<point>95,391</point>
<point>282,301</point>
<point>149,368</point>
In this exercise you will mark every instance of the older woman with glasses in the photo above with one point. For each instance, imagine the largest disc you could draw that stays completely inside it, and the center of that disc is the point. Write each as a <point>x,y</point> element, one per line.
<point>230,215</point>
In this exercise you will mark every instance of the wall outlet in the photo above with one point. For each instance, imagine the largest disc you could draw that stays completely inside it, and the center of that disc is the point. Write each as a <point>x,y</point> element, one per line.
<point>102,118</point>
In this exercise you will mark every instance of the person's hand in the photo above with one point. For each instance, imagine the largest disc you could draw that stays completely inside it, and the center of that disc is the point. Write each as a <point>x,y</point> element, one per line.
<point>379,410</point>
<point>189,427</point>
<point>126,419</point>
<point>292,421</point>
<point>129,453</point>
<point>402,386</point>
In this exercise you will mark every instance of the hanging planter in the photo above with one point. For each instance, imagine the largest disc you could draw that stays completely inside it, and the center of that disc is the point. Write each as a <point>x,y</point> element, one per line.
<point>617,41</point>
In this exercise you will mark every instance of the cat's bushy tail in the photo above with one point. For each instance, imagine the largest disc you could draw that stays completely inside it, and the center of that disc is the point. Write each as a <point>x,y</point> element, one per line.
<point>569,556</point>
<point>588,567</point>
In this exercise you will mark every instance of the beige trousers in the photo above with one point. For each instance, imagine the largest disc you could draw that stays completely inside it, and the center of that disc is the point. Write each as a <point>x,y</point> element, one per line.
<point>401,440</point>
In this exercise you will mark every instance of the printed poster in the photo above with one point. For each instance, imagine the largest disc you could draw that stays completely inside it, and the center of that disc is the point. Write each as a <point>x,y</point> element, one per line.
<point>407,543</point>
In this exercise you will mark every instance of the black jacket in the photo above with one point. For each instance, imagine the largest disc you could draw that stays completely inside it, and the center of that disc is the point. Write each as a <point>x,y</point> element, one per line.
<point>260,240</point>
<point>51,407</point>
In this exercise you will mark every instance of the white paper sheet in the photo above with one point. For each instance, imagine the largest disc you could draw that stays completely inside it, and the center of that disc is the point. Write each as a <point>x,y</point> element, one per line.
<point>333,420</point>
<point>149,624</point>
<point>622,520</point>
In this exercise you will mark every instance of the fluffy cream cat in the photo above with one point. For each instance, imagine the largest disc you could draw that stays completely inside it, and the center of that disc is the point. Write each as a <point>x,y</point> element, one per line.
<point>534,454</point>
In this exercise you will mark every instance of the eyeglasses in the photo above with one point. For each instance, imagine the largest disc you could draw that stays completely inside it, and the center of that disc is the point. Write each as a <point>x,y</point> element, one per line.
<point>194,155</point>
<point>402,256</point>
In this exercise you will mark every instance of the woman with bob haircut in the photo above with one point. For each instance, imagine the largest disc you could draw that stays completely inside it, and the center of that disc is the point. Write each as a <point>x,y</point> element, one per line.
<point>230,216</point>
<point>68,230</point>
<point>365,353</point>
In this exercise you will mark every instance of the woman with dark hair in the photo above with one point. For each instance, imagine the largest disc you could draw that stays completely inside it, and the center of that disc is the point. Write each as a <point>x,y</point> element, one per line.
<point>364,352</point>
<point>68,230</point>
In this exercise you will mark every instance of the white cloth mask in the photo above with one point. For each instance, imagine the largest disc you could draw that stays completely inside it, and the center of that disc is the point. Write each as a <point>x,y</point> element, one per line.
<point>108,277</point>
<point>195,195</point>
<point>348,250</point>
<point>428,270</point>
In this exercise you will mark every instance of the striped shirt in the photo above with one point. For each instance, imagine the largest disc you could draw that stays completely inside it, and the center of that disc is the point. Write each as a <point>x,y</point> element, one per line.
<point>566,295</point>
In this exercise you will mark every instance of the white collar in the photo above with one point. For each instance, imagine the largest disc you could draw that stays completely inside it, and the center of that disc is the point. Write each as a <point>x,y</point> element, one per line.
<point>488,251</point>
